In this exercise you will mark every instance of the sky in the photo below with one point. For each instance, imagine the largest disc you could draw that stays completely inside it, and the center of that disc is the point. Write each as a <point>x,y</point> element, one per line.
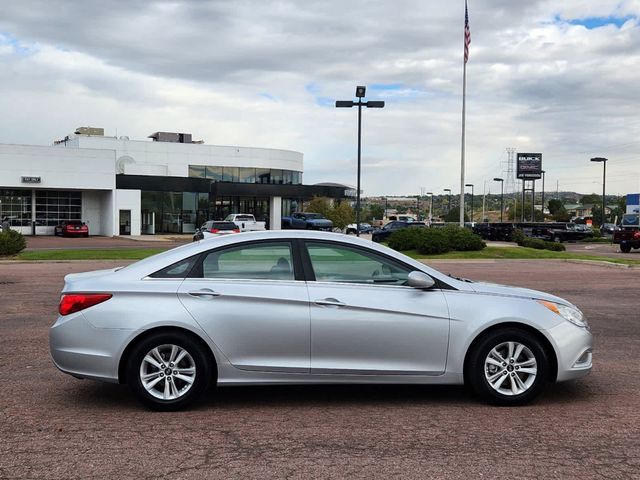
<point>559,78</point>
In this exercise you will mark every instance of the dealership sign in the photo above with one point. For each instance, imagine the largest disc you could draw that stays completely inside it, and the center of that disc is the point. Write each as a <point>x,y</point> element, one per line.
<point>529,166</point>
<point>31,179</point>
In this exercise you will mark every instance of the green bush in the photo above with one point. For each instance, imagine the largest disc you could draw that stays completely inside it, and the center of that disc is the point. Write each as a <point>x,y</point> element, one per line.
<point>11,243</point>
<point>463,239</point>
<point>405,239</point>
<point>518,236</point>
<point>433,241</point>
<point>540,244</point>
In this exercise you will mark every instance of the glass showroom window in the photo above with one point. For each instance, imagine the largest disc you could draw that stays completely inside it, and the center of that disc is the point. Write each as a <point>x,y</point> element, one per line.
<point>53,207</point>
<point>246,175</point>
<point>16,204</point>
<point>197,171</point>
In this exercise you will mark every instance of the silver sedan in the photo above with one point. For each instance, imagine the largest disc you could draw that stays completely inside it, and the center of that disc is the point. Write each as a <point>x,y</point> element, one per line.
<point>291,307</point>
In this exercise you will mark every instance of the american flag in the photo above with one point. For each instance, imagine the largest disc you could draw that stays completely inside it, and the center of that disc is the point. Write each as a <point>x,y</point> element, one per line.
<point>467,33</point>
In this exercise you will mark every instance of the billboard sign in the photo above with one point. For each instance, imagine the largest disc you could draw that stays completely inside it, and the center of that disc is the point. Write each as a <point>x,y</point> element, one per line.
<point>529,166</point>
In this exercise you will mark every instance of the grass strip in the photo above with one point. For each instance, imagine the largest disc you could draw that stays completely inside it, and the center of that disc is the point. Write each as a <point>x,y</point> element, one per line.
<point>516,253</point>
<point>106,254</point>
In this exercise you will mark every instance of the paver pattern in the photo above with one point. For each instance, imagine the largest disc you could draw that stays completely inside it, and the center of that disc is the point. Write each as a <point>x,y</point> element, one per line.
<point>53,426</point>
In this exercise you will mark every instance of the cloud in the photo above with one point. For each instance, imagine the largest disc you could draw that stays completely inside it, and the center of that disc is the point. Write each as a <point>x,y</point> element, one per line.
<point>554,77</point>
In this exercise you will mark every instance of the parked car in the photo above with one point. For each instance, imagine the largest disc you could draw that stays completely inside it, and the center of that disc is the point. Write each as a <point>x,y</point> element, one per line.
<point>385,232</point>
<point>364,228</point>
<point>213,228</point>
<point>307,221</point>
<point>559,232</point>
<point>71,228</point>
<point>608,228</point>
<point>246,222</point>
<point>284,307</point>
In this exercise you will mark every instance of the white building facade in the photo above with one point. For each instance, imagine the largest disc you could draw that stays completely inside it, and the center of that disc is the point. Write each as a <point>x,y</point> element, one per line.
<point>168,184</point>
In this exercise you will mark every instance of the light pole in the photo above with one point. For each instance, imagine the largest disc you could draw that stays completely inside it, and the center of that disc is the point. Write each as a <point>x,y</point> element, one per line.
<point>448,190</point>
<point>543,172</point>
<point>604,179</point>
<point>501,180</point>
<point>470,185</point>
<point>360,92</point>
<point>430,208</point>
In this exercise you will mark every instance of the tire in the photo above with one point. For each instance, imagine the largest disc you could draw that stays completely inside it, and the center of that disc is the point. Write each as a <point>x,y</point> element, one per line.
<point>557,239</point>
<point>625,247</point>
<point>166,391</point>
<point>485,365</point>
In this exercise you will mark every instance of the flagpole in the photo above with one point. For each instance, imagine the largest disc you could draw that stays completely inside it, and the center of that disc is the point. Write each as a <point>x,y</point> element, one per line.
<point>464,98</point>
<point>467,41</point>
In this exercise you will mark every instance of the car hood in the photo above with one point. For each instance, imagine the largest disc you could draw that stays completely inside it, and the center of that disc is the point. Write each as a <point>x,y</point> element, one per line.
<point>506,291</point>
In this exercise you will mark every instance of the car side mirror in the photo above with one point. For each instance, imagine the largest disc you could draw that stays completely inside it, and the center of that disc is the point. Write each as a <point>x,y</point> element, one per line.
<point>420,280</point>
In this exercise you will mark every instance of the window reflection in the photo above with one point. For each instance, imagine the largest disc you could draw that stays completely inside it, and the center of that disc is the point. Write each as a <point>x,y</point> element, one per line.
<point>246,174</point>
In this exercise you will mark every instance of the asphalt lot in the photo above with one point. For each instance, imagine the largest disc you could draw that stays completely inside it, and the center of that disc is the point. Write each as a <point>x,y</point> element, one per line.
<point>54,426</point>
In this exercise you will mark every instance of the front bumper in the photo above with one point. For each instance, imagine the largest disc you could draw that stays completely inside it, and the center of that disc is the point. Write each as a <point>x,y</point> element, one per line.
<point>82,350</point>
<point>573,346</point>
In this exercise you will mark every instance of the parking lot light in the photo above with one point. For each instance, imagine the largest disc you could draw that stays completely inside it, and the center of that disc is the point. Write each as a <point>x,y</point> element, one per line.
<point>604,178</point>
<point>501,180</point>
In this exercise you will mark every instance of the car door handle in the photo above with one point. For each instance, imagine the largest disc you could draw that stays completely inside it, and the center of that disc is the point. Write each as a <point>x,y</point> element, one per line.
<point>204,293</point>
<point>331,302</point>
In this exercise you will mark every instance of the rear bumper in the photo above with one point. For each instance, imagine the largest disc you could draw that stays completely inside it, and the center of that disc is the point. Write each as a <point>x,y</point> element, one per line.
<point>79,349</point>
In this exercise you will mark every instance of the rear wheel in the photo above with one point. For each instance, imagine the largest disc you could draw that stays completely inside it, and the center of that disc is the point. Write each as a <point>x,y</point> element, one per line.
<point>508,367</point>
<point>168,371</point>
<point>625,247</point>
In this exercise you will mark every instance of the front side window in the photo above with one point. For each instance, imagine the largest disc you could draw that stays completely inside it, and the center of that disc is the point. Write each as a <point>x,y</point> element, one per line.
<point>261,261</point>
<point>340,263</point>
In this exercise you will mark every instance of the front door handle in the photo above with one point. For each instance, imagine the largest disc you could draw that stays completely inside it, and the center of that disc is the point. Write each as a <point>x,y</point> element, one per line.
<point>331,302</point>
<point>205,293</point>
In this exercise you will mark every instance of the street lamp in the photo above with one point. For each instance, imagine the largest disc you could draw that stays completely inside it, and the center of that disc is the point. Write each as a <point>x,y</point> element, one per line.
<point>360,92</point>
<point>430,208</point>
<point>501,180</point>
<point>471,185</point>
<point>604,178</point>
<point>448,200</point>
<point>543,172</point>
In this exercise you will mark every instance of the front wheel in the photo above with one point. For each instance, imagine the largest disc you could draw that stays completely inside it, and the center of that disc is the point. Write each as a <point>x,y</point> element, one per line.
<point>508,367</point>
<point>168,371</point>
<point>625,247</point>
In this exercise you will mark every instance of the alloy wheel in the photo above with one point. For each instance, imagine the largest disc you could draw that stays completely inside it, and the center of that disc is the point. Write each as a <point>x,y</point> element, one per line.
<point>167,372</point>
<point>510,368</point>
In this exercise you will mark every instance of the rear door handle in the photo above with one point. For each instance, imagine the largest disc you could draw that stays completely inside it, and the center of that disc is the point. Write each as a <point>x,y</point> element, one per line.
<point>331,302</point>
<point>204,293</point>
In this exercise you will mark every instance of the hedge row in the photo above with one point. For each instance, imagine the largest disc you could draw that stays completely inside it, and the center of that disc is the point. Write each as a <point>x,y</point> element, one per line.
<point>11,242</point>
<point>522,240</point>
<point>430,241</point>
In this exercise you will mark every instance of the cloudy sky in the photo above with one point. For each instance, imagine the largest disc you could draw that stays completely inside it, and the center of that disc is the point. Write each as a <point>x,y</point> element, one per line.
<point>557,77</point>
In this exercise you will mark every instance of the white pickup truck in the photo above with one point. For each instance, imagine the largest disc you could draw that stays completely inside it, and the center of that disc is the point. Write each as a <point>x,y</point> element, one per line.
<point>245,222</point>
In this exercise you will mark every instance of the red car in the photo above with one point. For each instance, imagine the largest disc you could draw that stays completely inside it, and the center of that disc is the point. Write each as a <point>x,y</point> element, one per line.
<point>71,228</point>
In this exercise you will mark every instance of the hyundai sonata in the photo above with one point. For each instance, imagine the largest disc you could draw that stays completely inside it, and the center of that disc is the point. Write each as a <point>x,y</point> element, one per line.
<point>291,307</point>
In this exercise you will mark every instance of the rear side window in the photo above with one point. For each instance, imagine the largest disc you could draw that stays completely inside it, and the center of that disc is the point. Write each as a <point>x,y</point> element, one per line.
<point>179,269</point>
<point>259,261</point>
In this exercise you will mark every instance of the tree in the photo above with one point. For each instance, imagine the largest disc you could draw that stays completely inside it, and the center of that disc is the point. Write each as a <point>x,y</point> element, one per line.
<point>374,212</point>
<point>591,199</point>
<point>341,215</point>
<point>555,206</point>
<point>454,215</point>
<point>319,205</point>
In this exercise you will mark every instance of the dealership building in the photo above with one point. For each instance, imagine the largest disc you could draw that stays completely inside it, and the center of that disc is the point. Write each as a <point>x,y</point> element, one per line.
<point>166,184</point>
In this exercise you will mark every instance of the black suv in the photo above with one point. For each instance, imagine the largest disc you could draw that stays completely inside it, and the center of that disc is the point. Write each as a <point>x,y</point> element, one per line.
<point>385,232</point>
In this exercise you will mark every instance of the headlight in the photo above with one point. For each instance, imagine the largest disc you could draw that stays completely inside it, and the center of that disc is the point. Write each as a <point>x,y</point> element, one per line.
<point>570,314</point>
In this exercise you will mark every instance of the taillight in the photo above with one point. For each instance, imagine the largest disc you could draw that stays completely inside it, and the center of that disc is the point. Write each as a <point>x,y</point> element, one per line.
<point>214,230</point>
<point>236,230</point>
<point>74,302</point>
